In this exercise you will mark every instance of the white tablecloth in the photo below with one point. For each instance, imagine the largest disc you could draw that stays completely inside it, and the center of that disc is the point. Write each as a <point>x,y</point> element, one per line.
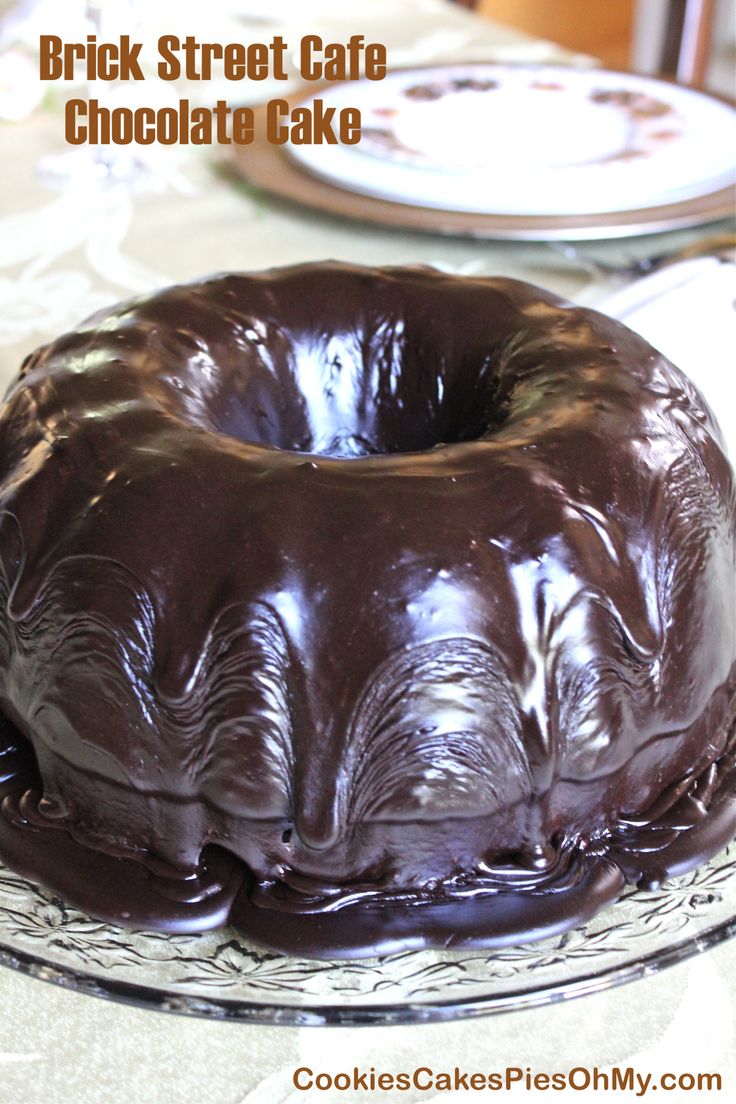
<point>63,254</point>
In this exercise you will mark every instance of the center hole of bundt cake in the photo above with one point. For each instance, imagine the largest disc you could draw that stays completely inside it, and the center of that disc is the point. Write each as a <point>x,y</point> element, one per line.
<point>330,402</point>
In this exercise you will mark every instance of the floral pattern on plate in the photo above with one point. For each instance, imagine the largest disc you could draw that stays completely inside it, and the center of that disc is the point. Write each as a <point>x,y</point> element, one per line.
<point>528,140</point>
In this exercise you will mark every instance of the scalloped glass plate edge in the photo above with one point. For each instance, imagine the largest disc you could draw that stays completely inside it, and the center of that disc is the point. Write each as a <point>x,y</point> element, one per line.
<point>359,1015</point>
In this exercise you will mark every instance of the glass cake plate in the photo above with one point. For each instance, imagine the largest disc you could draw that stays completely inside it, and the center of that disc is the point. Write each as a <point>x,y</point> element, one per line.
<point>222,976</point>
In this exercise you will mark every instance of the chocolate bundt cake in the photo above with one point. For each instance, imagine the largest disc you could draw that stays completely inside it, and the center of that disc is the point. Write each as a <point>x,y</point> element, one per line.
<point>365,608</point>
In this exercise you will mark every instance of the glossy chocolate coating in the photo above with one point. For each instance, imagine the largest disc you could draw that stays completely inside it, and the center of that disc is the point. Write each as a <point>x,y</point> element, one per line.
<point>388,591</point>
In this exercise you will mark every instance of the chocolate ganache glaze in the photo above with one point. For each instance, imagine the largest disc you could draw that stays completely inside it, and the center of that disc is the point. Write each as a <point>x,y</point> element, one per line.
<point>366,608</point>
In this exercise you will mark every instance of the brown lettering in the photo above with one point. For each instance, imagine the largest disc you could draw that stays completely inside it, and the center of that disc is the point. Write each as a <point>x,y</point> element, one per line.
<point>276,132</point>
<point>50,66</point>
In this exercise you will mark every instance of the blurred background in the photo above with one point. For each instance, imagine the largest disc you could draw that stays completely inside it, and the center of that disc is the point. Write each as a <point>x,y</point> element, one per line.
<point>628,34</point>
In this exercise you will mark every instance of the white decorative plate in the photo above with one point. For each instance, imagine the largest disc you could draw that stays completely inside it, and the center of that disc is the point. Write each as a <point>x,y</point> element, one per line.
<point>528,140</point>
<point>220,975</point>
